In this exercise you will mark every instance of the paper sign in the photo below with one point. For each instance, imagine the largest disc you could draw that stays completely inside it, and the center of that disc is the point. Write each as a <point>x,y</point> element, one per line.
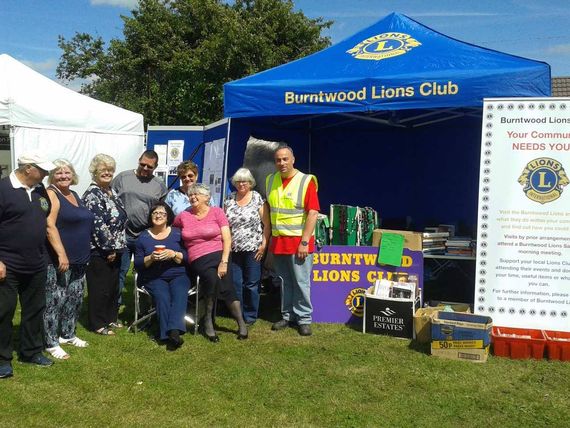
<point>391,249</point>
<point>161,151</point>
<point>175,152</point>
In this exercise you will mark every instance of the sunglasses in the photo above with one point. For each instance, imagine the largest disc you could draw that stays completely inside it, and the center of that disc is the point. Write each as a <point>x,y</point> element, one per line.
<point>147,166</point>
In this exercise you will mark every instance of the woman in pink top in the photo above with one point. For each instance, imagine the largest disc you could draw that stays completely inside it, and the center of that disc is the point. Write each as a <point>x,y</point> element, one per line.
<point>206,236</point>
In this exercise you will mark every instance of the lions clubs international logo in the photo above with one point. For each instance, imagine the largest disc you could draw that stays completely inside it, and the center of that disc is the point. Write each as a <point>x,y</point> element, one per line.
<point>543,180</point>
<point>355,301</point>
<point>385,45</point>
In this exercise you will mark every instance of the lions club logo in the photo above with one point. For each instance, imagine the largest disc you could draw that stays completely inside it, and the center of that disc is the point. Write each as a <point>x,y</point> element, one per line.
<point>543,180</point>
<point>44,205</point>
<point>355,301</point>
<point>385,45</point>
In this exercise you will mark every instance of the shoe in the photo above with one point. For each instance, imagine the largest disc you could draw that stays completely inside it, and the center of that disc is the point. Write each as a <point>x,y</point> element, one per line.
<point>104,331</point>
<point>38,359</point>
<point>6,371</point>
<point>214,339</point>
<point>58,352</point>
<point>305,330</point>
<point>116,324</point>
<point>175,339</point>
<point>280,325</point>
<point>242,336</point>
<point>75,341</point>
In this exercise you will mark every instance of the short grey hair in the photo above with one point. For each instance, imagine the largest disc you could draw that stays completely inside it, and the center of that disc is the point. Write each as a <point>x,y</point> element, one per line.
<point>63,163</point>
<point>243,174</point>
<point>99,160</point>
<point>284,146</point>
<point>199,189</point>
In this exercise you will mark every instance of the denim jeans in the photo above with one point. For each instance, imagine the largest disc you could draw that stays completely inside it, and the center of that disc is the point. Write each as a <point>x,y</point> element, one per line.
<point>170,298</point>
<point>246,273</point>
<point>296,291</point>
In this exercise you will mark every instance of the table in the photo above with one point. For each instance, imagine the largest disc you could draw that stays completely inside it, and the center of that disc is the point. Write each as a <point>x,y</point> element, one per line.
<point>449,278</point>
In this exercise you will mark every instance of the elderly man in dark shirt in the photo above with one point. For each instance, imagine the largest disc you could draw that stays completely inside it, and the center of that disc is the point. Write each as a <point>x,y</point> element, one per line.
<point>24,207</point>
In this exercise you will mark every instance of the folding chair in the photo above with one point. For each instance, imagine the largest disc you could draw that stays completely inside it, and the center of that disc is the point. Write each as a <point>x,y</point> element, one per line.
<point>139,318</point>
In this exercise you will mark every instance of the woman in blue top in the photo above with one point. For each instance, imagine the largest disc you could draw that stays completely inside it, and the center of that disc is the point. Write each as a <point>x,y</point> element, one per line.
<point>69,226</point>
<point>177,198</point>
<point>160,259</point>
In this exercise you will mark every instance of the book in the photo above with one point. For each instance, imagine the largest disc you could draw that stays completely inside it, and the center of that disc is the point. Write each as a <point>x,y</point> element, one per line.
<point>450,228</point>
<point>428,235</point>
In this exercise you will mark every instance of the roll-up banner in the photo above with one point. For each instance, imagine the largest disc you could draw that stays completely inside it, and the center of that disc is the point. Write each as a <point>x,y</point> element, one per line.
<point>523,237</point>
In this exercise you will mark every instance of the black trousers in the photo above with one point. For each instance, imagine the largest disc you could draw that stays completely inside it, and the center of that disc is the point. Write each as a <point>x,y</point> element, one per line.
<point>102,291</point>
<point>31,288</point>
<point>206,267</point>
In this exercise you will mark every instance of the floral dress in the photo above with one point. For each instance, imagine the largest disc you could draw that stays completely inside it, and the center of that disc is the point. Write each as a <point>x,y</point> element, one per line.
<point>110,220</point>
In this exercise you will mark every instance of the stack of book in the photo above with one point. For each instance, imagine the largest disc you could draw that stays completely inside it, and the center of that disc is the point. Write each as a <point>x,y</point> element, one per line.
<point>460,246</point>
<point>433,241</point>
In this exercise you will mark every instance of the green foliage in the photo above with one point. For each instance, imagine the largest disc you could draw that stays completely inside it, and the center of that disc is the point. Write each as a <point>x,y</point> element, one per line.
<point>177,54</point>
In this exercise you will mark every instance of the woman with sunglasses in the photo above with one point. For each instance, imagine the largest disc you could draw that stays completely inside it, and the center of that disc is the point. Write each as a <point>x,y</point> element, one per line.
<point>160,259</point>
<point>177,198</point>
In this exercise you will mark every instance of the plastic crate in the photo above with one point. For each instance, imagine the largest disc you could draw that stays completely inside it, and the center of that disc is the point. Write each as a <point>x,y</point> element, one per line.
<point>557,345</point>
<point>518,343</point>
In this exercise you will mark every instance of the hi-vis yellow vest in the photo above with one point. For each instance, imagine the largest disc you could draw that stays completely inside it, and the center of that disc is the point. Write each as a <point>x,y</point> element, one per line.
<point>287,205</point>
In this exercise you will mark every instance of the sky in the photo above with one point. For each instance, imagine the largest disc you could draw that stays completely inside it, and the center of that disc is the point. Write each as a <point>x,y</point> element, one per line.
<point>535,29</point>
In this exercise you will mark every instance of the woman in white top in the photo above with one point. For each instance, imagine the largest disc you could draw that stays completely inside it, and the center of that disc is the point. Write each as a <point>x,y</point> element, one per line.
<point>248,216</point>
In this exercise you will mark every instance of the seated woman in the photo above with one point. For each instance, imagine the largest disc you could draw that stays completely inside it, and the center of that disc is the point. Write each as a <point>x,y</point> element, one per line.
<point>206,236</point>
<point>159,258</point>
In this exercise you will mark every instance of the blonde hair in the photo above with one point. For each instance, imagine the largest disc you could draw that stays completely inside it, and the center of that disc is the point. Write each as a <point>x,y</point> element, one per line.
<point>99,160</point>
<point>63,163</point>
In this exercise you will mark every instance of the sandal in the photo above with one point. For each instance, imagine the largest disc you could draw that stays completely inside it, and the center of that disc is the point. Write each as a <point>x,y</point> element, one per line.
<point>104,331</point>
<point>75,341</point>
<point>58,352</point>
<point>116,324</point>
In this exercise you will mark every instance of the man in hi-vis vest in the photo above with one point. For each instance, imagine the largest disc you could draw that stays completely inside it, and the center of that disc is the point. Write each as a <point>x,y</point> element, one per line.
<point>292,197</point>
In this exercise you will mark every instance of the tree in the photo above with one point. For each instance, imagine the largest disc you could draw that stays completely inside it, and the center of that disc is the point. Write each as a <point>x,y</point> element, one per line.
<point>177,54</point>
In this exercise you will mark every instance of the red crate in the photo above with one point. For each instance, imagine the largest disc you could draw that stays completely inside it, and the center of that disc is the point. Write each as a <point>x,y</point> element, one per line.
<point>518,343</point>
<point>557,345</point>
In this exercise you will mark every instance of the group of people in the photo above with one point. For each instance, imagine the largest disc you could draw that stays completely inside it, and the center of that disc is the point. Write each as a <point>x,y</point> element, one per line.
<point>175,238</point>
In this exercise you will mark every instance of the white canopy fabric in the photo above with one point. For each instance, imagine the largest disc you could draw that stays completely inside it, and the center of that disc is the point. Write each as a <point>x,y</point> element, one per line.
<point>47,117</point>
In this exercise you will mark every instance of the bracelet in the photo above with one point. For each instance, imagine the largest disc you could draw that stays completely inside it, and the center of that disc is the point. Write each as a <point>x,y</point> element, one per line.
<point>223,263</point>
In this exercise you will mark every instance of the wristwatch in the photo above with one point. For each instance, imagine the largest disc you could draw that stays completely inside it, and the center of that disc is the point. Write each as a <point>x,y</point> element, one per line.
<point>304,243</point>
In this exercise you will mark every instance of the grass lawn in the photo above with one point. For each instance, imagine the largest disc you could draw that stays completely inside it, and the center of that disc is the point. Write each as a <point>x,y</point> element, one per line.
<point>337,377</point>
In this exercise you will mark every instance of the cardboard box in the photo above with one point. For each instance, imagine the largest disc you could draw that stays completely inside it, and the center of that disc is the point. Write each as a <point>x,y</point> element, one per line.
<point>461,326</point>
<point>422,324</point>
<point>391,317</point>
<point>468,354</point>
<point>423,317</point>
<point>412,240</point>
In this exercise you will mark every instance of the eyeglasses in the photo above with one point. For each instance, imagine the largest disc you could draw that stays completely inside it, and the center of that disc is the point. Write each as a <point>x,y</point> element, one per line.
<point>159,214</point>
<point>108,170</point>
<point>147,166</point>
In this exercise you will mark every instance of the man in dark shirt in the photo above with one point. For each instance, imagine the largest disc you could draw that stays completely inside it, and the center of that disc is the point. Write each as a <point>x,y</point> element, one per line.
<point>24,207</point>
